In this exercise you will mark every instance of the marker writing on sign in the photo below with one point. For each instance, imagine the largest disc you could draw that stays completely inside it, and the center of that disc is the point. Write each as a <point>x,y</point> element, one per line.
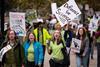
<point>70,7</point>
<point>63,15</point>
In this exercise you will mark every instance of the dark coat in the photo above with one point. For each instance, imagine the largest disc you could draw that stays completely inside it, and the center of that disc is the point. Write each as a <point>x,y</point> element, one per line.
<point>18,54</point>
<point>68,35</point>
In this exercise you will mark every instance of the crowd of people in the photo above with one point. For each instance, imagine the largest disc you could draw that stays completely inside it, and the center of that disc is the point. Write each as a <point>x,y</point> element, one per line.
<point>29,51</point>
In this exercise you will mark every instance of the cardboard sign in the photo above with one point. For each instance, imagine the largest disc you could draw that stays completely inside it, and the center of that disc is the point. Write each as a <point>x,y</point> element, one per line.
<point>67,12</point>
<point>17,23</point>
<point>76,45</point>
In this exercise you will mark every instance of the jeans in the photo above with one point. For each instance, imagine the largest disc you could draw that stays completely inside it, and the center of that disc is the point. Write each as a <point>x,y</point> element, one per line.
<point>92,50</point>
<point>89,52</point>
<point>81,61</point>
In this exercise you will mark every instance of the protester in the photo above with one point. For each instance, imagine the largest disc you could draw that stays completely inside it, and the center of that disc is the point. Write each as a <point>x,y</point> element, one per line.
<point>42,35</point>
<point>97,35</point>
<point>52,22</point>
<point>82,57</point>
<point>33,52</point>
<point>55,49</point>
<point>88,34</point>
<point>68,35</point>
<point>57,26</point>
<point>13,51</point>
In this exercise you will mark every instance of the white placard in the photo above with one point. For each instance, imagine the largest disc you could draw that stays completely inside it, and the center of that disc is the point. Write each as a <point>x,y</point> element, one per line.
<point>76,45</point>
<point>93,24</point>
<point>17,23</point>
<point>67,12</point>
<point>3,51</point>
<point>53,7</point>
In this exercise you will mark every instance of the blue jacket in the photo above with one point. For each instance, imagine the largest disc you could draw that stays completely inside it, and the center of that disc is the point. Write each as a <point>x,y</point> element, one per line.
<point>38,51</point>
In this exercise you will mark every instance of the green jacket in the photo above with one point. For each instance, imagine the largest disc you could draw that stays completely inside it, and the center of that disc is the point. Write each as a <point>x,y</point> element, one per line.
<point>18,54</point>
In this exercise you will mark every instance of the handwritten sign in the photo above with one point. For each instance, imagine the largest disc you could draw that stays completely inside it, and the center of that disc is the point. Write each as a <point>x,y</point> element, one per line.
<point>67,12</point>
<point>17,23</point>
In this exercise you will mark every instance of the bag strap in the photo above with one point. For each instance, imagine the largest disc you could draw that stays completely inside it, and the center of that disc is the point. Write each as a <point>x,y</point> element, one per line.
<point>63,44</point>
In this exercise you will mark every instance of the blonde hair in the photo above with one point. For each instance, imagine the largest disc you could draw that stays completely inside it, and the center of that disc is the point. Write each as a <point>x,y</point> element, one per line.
<point>59,39</point>
<point>57,25</point>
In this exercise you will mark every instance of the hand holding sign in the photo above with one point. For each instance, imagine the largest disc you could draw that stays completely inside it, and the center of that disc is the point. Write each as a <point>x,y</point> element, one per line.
<point>67,12</point>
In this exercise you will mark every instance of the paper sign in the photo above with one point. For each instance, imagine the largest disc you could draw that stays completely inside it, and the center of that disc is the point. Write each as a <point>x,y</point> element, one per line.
<point>93,24</point>
<point>53,7</point>
<point>4,50</point>
<point>76,45</point>
<point>17,23</point>
<point>67,12</point>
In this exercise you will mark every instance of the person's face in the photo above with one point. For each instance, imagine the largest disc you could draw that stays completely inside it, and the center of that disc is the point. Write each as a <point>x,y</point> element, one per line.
<point>31,37</point>
<point>40,26</point>
<point>81,32</point>
<point>58,27</point>
<point>57,35</point>
<point>11,35</point>
<point>66,27</point>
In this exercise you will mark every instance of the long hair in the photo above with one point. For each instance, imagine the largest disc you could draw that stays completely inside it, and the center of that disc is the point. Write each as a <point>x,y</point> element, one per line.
<point>8,32</point>
<point>59,39</point>
<point>27,37</point>
<point>84,34</point>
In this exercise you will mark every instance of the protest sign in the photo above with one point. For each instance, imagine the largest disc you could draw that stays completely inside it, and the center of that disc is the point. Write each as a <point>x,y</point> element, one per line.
<point>3,51</point>
<point>53,7</point>
<point>93,24</point>
<point>17,23</point>
<point>76,45</point>
<point>67,12</point>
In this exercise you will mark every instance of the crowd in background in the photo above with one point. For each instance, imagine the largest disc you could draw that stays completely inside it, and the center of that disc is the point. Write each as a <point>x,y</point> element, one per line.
<point>29,51</point>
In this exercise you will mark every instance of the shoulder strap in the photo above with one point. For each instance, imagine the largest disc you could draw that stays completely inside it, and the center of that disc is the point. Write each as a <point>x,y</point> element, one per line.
<point>63,44</point>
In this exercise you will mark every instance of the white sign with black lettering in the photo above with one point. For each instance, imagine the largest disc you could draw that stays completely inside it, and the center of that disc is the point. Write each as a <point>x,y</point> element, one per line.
<point>67,12</point>
<point>17,23</point>
<point>3,51</point>
<point>76,45</point>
